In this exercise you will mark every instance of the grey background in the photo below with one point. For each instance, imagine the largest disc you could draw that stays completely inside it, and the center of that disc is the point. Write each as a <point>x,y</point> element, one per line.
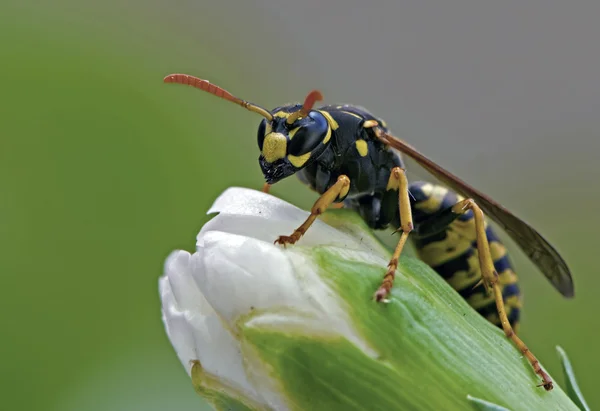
<point>104,169</point>
<point>504,94</point>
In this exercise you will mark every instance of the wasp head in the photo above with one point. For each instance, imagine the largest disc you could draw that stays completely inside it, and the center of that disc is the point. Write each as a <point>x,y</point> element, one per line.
<point>287,147</point>
<point>289,138</point>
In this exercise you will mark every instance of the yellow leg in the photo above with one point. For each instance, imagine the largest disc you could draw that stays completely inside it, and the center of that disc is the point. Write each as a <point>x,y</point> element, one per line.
<point>338,190</point>
<point>398,182</point>
<point>490,280</point>
<point>266,187</point>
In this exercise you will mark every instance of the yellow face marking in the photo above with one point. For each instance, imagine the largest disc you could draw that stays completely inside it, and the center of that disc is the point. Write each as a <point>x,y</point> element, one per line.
<point>282,114</point>
<point>352,114</point>
<point>332,123</point>
<point>274,147</point>
<point>298,161</point>
<point>293,132</point>
<point>383,123</point>
<point>362,147</point>
<point>327,136</point>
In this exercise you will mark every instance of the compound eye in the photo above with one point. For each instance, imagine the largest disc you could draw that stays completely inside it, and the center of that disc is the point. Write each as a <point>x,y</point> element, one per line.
<point>309,135</point>
<point>261,133</point>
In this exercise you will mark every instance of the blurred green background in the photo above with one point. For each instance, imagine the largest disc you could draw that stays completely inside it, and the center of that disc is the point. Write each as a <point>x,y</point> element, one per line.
<point>104,169</point>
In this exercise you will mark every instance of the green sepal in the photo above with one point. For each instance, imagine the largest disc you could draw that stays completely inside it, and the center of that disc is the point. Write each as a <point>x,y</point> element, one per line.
<point>572,388</point>
<point>221,396</point>
<point>483,405</point>
<point>433,348</point>
<point>428,349</point>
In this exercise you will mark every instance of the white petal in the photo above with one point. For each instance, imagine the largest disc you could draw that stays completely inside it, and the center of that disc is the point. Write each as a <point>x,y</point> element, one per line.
<point>336,317</point>
<point>238,274</point>
<point>178,330</point>
<point>245,201</point>
<point>194,328</point>
<point>185,291</point>
<point>265,217</point>
<point>241,274</point>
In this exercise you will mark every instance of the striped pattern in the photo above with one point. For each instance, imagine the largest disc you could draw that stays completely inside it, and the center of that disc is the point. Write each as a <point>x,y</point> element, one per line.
<point>452,253</point>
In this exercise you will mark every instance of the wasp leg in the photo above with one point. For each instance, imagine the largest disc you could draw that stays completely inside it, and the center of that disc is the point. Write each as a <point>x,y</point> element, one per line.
<point>266,187</point>
<point>398,182</point>
<point>338,190</point>
<point>490,280</point>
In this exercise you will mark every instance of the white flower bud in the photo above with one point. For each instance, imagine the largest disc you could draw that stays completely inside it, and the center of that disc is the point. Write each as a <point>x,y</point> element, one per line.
<point>276,328</point>
<point>236,271</point>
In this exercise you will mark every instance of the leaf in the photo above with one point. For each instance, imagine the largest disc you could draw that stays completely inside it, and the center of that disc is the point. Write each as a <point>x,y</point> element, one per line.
<point>428,349</point>
<point>483,405</point>
<point>573,390</point>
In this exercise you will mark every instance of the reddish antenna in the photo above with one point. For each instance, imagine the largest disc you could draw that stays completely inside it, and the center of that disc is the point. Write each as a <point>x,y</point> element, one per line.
<point>309,102</point>
<point>207,86</point>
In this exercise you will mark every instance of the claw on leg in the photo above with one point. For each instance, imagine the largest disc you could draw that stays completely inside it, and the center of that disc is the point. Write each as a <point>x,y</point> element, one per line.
<point>338,190</point>
<point>398,182</point>
<point>490,281</point>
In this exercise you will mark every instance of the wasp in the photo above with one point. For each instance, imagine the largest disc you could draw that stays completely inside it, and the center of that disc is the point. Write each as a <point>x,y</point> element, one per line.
<point>350,158</point>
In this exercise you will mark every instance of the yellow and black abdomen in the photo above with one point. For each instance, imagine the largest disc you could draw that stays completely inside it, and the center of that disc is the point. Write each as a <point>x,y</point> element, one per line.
<point>452,253</point>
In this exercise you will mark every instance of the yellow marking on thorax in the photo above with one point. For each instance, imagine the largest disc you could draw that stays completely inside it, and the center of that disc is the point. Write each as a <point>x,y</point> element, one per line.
<point>332,123</point>
<point>293,132</point>
<point>298,161</point>
<point>370,124</point>
<point>352,114</point>
<point>362,147</point>
<point>274,147</point>
<point>327,136</point>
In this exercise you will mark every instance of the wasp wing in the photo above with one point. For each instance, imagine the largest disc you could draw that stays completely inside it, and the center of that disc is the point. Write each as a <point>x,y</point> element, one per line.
<point>537,248</point>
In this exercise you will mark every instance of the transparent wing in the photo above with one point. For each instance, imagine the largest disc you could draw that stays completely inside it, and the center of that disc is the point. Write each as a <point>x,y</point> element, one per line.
<point>537,248</point>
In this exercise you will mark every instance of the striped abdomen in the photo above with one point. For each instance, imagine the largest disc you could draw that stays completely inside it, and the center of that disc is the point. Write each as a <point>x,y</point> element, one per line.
<point>452,253</point>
